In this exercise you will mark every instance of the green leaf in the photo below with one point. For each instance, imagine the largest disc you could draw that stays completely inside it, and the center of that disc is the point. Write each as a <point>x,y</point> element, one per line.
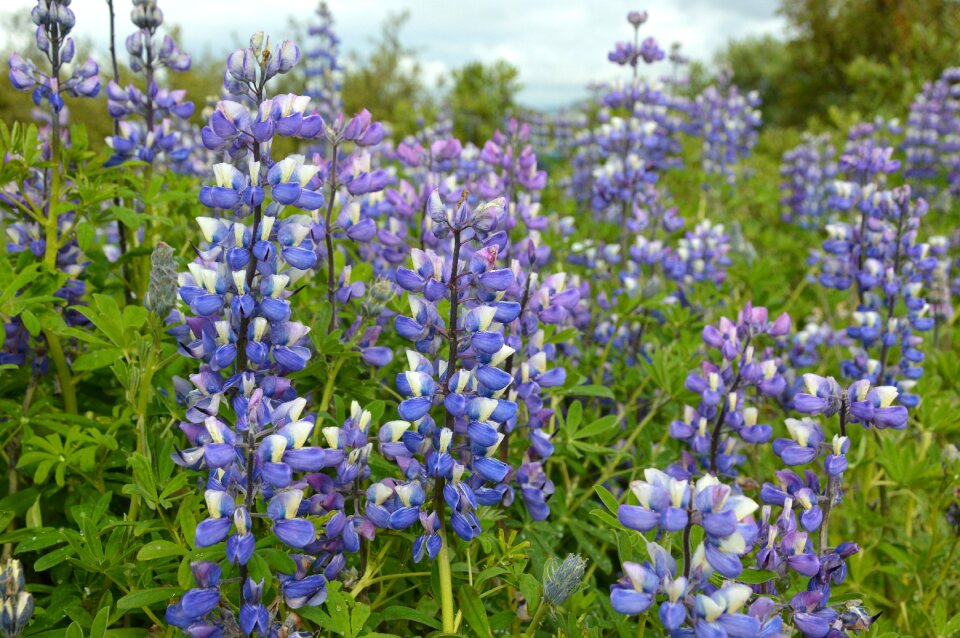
<point>405,613</point>
<point>488,573</point>
<point>159,549</point>
<point>358,618</point>
<point>95,359</point>
<point>100,622</point>
<point>574,416</point>
<point>134,316</point>
<point>147,597</point>
<point>473,611</point>
<point>755,576</point>
<point>143,477</point>
<point>599,426</point>
<point>40,539</point>
<point>338,611</point>
<point>530,588</point>
<point>30,322</point>
<point>601,391</point>
<point>91,537</point>
<point>609,500</point>
<point>607,518</point>
<point>278,560</point>
<point>73,631</point>
<point>51,559</point>
<point>34,518</point>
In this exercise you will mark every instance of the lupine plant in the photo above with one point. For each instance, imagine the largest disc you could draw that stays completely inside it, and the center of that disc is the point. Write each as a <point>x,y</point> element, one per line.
<point>703,594</point>
<point>240,324</point>
<point>808,171</point>
<point>362,386</point>
<point>322,65</point>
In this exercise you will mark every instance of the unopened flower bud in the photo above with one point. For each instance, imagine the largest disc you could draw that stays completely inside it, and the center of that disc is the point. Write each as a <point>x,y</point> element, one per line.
<point>562,579</point>
<point>161,294</point>
<point>378,296</point>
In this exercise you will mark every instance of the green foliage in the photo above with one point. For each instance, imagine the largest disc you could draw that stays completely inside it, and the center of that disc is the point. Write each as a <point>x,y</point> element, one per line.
<point>866,57</point>
<point>481,97</point>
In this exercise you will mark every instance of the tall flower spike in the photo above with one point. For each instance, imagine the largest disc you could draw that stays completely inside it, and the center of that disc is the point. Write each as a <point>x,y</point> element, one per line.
<point>265,474</point>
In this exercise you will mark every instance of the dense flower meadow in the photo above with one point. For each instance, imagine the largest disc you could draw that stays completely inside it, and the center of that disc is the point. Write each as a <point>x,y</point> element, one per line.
<point>270,370</point>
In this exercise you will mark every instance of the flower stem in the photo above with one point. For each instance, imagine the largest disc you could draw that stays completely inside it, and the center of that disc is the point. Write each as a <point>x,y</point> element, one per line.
<point>55,350</point>
<point>328,238</point>
<point>446,582</point>
<point>721,415</point>
<point>52,241</point>
<point>686,541</point>
<point>443,557</point>
<point>537,618</point>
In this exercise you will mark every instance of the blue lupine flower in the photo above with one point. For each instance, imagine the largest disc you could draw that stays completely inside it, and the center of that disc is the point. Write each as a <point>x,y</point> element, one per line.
<point>804,443</point>
<point>718,615</point>
<point>194,609</point>
<point>663,503</point>
<point>16,604</point>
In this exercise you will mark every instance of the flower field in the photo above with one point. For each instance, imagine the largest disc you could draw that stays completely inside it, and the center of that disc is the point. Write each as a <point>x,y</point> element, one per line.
<point>646,366</point>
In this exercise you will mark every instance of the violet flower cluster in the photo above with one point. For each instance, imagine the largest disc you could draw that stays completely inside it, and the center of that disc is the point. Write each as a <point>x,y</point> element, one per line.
<point>25,203</point>
<point>158,108</point>
<point>322,67</point>
<point>791,535</point>
<point>931,143</point>
<point>454,461</point>
<point>55,20</point>
<point>807,173</point>
<point>727,120</point>
<point>635,147</point>
<point>880,257</point>
<point>732,391</point>
<point>264,475</point>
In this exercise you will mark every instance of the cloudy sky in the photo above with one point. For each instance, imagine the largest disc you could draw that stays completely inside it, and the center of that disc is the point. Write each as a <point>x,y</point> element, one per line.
<point>559,45</point>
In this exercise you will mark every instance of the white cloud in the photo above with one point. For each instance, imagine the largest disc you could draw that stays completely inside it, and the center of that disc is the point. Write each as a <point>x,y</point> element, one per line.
<point>558,45</point>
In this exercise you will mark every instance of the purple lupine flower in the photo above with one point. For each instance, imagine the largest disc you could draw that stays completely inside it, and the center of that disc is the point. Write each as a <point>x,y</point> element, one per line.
<point>16,604</point>
<point>264,476</point>
<point>663,503</point>
<point>157,107</point>
<point>54,20</point>
<point>807,171</point>
<point>728,122</point>
<point>804,442</point>
<point>194,610</point>
<point>719,614</point>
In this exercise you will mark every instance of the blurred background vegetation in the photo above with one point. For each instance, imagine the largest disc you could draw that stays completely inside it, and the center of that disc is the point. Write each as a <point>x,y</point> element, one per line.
<point>837,61</point>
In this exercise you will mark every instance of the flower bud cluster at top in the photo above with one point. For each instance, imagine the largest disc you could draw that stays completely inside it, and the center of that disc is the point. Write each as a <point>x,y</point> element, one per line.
<point>156,109</point>
<point>54,20</point>
<point>322,65</point>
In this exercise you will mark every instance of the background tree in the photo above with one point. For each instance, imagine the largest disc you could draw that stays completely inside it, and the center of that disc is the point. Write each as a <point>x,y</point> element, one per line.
<point>869,55</point>
<point>480,98</point>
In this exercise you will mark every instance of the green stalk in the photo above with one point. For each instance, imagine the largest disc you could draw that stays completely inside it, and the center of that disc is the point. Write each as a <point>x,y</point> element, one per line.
<point>330,385</point>
<point>446,583</point>
<point>53,194</point>
<point>537,618</point>
<point>55,350</point>
<point>443,557</point>
<point>52,240</point>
